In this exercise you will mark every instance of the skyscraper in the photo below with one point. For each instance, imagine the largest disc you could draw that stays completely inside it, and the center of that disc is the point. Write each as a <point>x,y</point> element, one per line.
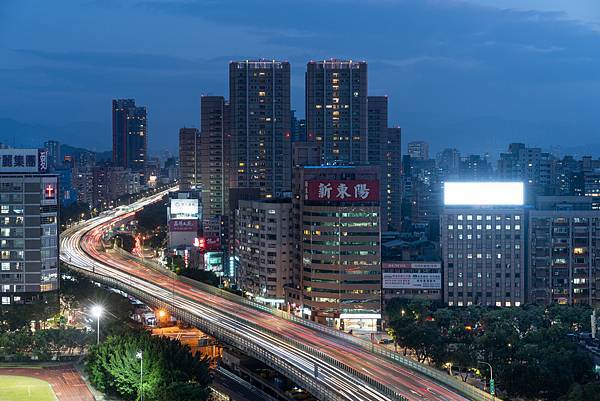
<point>189,158</point>
<point>336,110</point>
<point>130,139</point>
<point>385,151</point>
<point>214,162</point>
<point>260,126</point>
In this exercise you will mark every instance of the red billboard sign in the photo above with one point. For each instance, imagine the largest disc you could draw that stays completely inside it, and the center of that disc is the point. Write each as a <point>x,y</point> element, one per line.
<point>341,190</point>
<point>188,225</point>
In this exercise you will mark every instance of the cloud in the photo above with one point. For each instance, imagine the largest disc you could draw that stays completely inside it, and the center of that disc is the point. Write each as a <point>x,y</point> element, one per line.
<point>441,60</point>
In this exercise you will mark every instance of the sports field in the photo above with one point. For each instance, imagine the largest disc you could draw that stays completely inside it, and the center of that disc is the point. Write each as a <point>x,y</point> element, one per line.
<point>21,388</point>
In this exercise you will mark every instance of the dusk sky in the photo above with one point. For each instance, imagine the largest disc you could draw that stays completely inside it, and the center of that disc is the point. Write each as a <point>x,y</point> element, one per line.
<point>474,74</point>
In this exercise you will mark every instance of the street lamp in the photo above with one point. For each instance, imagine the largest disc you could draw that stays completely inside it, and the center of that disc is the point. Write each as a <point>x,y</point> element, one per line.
<point>97,313</point>
<point>139,355</point>
<point>492,384</point>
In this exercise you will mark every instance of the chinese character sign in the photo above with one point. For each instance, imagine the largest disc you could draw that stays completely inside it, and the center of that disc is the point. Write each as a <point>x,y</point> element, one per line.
<point>341,190</point>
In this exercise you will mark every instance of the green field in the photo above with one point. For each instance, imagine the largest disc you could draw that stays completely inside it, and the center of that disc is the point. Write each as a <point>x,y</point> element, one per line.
<point>19,388</point>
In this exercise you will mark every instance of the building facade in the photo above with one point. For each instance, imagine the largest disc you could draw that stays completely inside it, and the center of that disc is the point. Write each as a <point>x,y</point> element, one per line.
<point>418,150</point>
<point>337,230</point>
<point>483,244</point>
<point>260,126</point>
<point>215,139</point>
<point>264,241</point>
<point>130,135</point>
<point>189,158</point>
<point>411,280</point>
<point>29,204</point>
<point>564,255</point>
<point>336,110</point>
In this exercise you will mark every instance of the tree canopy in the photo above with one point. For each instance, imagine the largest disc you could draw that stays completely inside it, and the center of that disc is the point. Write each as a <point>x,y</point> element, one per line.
<point>170,371</point>
<point>528,347</point>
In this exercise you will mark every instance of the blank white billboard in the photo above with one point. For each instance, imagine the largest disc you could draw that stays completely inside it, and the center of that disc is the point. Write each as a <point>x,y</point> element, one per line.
<point>483,193</point>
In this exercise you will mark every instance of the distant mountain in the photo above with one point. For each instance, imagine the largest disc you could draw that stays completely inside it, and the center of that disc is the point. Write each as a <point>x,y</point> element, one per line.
<point>76,152</point>
<point>493,134</point>
<point>91,135</point>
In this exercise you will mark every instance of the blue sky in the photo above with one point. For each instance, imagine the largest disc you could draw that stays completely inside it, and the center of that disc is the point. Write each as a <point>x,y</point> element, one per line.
<point>473,74</point>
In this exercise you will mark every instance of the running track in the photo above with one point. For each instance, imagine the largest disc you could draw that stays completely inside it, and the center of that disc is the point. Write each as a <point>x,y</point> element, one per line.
<point>65,381</point>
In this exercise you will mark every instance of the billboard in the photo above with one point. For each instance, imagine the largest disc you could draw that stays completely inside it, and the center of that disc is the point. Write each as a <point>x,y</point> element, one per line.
<point>483,193</point>
<point>341,190</point>
<point>23,161</point>
<point>183,225</point>
<point>412,275</point>
<point>181,208</point>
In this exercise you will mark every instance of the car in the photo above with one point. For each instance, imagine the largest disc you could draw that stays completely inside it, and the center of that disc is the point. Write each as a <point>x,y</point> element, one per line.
<point>386,341</point>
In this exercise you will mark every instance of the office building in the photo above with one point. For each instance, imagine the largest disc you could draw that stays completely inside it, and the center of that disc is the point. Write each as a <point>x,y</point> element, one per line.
<point>130,135</point>
<point>336,110</point>
<point>260,126</point>
<point>214,161</point>
<point>337,271</point>
<point>418,150</point>
<point>29,268</point>
<point>264,241</point>
<point>483,243</point>
<point>564,254</point>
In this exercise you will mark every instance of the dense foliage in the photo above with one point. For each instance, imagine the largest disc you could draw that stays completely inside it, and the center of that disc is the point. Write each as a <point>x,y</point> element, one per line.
<point>528,347</point>
<point>170,371</point>
<point>43,345</point>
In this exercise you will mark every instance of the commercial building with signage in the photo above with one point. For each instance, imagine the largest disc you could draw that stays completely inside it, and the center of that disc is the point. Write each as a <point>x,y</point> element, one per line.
<point>337,272</point>
<point>412,280</point>
<point>28,228</point>
<point>183,216</point>
<point>483,235</point>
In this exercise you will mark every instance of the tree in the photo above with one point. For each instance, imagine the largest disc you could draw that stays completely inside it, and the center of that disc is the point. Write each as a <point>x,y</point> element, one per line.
<point>114,368</point>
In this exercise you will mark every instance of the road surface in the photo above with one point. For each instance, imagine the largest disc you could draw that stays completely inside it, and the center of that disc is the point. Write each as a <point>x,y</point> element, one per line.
<point>80,248</point>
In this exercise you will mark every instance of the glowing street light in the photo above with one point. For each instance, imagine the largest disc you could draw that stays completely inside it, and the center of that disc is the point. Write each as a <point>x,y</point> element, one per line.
<point>97,311</point>
<point>139,355</point>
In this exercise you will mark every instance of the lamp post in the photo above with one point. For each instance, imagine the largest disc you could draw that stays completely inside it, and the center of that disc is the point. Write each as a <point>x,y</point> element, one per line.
<point>97,313</point>
<point>492,384</point>
<point>139,355</point>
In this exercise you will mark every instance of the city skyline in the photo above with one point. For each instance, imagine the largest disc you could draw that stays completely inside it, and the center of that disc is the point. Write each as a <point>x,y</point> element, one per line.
<point>447,80</point>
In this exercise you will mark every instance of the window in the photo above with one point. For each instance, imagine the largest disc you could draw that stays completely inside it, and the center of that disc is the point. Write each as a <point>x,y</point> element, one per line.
<point>5,300</point>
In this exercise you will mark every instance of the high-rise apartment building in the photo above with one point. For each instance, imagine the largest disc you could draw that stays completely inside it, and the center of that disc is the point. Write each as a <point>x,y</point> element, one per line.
<point>418,150</point>
<point>29,269</point>
<point>564,253</point>
<point>385,151</point>
<point>336,110</point>
<point>483,244</point>
<point>337,271</point>
<point>264,240</point>
<point>130,135</point>
<point>260,126</point>
<point>214,160</point>
<point>54,154</point>
<point>189,158</point>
